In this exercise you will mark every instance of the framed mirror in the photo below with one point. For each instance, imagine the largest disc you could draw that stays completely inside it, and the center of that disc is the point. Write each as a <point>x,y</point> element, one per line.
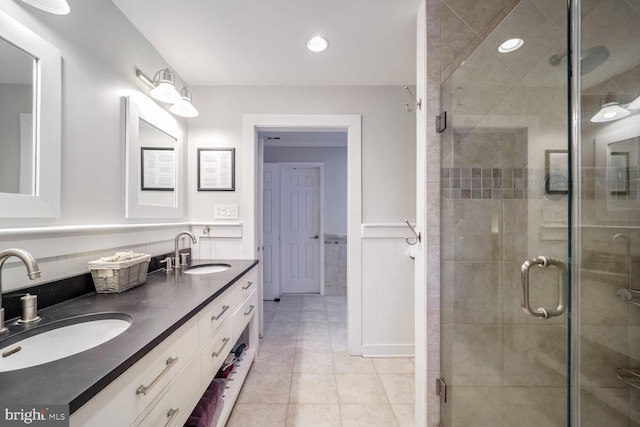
<point>154,161</point>
<point>618,170</point>
<point>30,123</point>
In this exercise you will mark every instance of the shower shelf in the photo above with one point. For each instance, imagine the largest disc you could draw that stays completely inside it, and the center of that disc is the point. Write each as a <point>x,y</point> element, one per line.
<point>629,376</point>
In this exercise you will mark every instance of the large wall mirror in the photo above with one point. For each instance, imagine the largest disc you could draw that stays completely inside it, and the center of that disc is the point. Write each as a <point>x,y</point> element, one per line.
<point>30,123</point>
<point>154,161</point>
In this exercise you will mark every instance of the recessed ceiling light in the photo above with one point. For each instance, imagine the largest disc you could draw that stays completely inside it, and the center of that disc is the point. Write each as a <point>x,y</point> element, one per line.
<point>317,44</point>
<point>510,45</point>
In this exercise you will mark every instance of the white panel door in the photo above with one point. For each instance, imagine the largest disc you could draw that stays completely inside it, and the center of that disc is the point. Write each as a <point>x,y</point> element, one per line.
<point>271,231</point>
<point>300,229</point>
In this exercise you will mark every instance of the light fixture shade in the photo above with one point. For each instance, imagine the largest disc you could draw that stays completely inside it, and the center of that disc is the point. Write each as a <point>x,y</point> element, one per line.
<point>610,112</point>
<point>165,90</point>
<point>58,7</point>
<point>184,107</point>
<point>635,104</point>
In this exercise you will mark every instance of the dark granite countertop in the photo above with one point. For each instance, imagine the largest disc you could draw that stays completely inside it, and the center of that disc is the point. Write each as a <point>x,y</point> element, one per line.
<point>159,306</point>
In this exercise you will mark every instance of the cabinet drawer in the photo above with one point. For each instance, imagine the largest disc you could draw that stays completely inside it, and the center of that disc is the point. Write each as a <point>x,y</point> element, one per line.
<point>244,314</point>
<point>176,405</point>
<point>165,365</point>
<point>215,352</point>
<point>245,286</point>
<point>213,316</point>
<point>127,397</point>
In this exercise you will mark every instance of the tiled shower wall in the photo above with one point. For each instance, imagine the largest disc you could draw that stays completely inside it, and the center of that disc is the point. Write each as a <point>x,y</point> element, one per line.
<point>335,265</point>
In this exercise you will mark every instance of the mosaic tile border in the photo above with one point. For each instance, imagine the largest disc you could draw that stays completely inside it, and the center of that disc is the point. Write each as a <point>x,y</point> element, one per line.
<point>484,183</point>
<point>523,183</point>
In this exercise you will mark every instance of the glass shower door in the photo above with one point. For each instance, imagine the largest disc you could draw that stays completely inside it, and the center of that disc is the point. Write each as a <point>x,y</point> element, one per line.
<point>608,283</point>
<point>505,216</point>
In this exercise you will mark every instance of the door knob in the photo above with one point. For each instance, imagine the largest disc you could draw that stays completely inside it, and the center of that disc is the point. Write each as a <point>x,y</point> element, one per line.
<point>315,237</point>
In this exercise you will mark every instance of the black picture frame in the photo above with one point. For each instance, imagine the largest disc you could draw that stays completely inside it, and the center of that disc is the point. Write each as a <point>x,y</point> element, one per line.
<point>216,169</point>
<point>556,180</point>
<point>618,173</point>
<point>157,185</point>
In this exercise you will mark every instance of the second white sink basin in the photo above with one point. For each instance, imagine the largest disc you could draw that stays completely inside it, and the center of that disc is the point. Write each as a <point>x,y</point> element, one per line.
<point>61,339</point>
<point>207,268</point>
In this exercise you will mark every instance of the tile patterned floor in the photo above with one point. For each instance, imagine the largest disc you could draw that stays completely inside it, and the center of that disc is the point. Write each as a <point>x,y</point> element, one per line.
<point>303,376</point>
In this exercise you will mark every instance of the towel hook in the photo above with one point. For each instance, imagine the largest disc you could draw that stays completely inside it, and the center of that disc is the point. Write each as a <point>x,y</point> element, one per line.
<point>417,102</point>
<point>412,240</point>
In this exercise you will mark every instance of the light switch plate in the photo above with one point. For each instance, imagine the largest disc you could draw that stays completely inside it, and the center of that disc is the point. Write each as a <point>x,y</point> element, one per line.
<point>225,212</point>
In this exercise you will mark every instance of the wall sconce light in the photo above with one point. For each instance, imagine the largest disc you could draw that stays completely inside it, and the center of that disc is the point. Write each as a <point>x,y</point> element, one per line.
<point>184,107</point>
<point>611,110</point>
<point>163,88</point>
<point>635,104</point>
<point>58,7</point>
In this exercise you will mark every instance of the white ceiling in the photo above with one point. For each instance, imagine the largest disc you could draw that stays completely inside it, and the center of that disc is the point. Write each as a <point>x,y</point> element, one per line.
<point>253,42</point>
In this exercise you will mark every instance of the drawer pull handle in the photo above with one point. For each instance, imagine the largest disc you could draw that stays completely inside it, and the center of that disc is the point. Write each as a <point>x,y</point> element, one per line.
<point>224,309</point>
<point>145,389</point>
<point>244,288</point>
<point>251,307</point>
<point>224,343</point>
<point>171,415</point>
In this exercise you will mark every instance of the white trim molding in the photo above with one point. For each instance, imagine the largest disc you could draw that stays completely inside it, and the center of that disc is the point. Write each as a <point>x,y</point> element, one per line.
<point>251,170</point>
<point>388,350</point>
<point>217,229</point>
<point>386,231</point>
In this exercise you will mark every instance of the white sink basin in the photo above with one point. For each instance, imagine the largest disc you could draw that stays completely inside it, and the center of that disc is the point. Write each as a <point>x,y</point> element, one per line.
<point>61,339</point>
<point>207,269</point>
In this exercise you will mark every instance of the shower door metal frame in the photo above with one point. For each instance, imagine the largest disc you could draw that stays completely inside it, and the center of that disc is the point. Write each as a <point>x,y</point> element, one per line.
<point>575,207</point>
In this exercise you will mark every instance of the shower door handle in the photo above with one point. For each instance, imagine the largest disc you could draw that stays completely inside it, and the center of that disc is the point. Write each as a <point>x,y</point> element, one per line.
<point>544,262</point>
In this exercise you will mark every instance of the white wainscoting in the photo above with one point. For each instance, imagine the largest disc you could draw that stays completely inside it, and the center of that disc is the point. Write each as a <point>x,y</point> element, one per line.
<point>66,251</point>
<point>218,240</point>
<point>387,291</point>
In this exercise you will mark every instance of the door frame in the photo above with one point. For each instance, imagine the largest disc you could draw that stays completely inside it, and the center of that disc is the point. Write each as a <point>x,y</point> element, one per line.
<point>275,246</point>
<point>320,167</point>
<point>252,157</point>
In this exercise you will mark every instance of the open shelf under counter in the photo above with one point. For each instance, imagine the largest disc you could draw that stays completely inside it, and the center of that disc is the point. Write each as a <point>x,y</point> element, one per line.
<point>234,384</point>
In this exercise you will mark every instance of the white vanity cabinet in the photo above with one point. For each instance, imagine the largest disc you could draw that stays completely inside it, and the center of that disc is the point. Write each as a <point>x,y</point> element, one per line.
<point>130,395</point>
<point>163,387</point>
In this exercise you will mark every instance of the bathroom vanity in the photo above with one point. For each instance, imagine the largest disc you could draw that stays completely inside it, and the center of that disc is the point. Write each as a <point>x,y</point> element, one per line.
<point>154,373</point>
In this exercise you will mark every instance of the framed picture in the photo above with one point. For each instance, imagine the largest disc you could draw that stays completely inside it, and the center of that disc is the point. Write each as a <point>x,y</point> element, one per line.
<point>158,169</point>
<point>557,172</point>
<point>216,169</point>
<point>618,169</point>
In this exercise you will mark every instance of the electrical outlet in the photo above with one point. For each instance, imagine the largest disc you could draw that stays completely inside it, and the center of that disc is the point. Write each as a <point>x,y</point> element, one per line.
<point>225,212</point>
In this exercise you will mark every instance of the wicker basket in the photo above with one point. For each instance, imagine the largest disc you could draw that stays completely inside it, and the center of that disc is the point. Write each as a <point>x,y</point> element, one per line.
<point>114,277</point>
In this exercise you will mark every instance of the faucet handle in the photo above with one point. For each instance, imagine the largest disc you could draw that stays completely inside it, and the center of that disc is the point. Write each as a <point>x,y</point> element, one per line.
<point>29,304</point>
<point>169,263</point>
<point>183,259</point>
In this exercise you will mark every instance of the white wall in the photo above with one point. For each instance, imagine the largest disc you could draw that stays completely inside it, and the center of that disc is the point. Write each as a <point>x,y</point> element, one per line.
<point>335,179</point>
<point>100,53</point>
<point>388,139</point>
<point>388,189</point>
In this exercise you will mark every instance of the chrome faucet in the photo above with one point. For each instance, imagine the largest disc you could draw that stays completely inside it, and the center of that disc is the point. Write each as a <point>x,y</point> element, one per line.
<point>32,271</point>
<point>177,263</point>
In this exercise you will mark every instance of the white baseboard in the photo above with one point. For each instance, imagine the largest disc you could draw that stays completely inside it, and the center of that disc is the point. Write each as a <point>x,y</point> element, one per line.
<point>388,350</point>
